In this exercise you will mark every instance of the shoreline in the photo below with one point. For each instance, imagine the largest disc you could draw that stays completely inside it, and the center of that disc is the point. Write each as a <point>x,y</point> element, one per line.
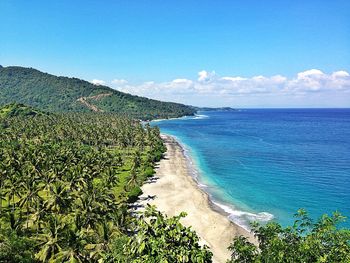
<point>194,173</point>
<point>174,189</point>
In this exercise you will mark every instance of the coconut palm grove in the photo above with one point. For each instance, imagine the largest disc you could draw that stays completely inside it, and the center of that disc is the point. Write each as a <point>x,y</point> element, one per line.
<point>67,185</point>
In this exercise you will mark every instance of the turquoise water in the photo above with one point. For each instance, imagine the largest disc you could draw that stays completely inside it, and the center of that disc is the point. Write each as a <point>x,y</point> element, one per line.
<point>266,164</point>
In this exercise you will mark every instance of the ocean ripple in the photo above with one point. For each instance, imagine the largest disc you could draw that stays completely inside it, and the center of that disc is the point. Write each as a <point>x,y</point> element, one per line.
<point>242,218</point>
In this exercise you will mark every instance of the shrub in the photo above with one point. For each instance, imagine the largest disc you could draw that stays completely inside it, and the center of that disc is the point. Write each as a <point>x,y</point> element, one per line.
<point>134,194</point>
<point>305,241</point>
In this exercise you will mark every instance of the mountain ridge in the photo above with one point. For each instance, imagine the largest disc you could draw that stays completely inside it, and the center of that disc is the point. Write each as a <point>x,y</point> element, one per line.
<point>64,94</point>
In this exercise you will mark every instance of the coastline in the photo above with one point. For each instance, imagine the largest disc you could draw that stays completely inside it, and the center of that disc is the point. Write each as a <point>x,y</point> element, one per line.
<point>173,190</point>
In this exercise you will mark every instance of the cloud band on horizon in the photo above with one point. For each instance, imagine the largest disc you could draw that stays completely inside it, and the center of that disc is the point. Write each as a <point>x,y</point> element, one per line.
<point>210,89</point>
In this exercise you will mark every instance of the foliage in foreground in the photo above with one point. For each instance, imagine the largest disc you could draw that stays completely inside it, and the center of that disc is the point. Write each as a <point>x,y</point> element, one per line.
<point>161,239</point>
<point>305,242</point>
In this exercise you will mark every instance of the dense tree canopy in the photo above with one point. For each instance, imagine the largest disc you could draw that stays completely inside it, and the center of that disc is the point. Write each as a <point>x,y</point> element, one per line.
<point>66,183</point>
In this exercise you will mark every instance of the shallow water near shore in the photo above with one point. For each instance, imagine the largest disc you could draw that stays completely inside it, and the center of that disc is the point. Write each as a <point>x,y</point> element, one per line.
<point>266,164</point>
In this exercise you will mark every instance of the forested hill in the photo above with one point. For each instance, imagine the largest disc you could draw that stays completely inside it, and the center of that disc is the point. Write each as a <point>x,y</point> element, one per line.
<point>62,94</point>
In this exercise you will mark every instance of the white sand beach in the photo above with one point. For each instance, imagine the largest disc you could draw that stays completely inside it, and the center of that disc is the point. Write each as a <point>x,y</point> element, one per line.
<point>173,190</point>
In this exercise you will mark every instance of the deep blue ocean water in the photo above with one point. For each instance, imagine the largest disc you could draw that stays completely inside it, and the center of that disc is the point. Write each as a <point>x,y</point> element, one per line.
<point>266,164</point>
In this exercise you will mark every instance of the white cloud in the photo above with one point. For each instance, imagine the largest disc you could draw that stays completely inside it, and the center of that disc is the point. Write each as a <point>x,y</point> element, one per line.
<point>119,82</point>
<point>312,80</point>
<point>98,82</point>
<point>182,81</point>
<point>340,80</point>
<point>211,89</point>
<point>310,73</point>
<point>233,79</point>
<point>205,76</point>
<point>340,74</point>
<point>278,79</point>
<point>315,80</point>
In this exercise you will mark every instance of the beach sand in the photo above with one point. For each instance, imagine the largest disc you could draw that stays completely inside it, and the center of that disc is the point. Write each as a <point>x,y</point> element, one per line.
<point>174,190</point>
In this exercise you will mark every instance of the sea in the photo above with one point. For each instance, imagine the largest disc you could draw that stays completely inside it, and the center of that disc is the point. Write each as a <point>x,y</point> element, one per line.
<point>265,164</point>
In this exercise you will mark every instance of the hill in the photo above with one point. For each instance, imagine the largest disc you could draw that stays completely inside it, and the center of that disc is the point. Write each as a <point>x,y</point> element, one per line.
<point>214,109</point>
<point>62,94</point>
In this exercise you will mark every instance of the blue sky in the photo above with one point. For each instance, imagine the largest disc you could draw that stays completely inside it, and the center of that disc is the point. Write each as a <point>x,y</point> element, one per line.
<point>144,46</point>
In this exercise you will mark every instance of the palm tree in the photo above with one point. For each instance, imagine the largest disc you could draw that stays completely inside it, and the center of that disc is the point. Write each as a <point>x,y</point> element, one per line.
<point>111,177</point>
<point>136,160</point>
<point>51,239</point>
<point>60,199</point>
<point>30,198</point>
<point>133,179</point>
<point>2,192</point>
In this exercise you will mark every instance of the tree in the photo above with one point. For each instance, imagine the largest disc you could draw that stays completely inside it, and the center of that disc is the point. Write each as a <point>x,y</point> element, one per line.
<point>305,241</point>
<point>161,239</point>
<point>50,240</point>
<point>60,198</point>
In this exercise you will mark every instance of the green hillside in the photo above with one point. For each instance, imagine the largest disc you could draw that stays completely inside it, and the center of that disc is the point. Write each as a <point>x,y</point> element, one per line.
<point>62,94</point>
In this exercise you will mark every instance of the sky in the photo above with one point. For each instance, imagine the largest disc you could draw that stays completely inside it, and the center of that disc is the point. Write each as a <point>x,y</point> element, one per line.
<point>247,54</point>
